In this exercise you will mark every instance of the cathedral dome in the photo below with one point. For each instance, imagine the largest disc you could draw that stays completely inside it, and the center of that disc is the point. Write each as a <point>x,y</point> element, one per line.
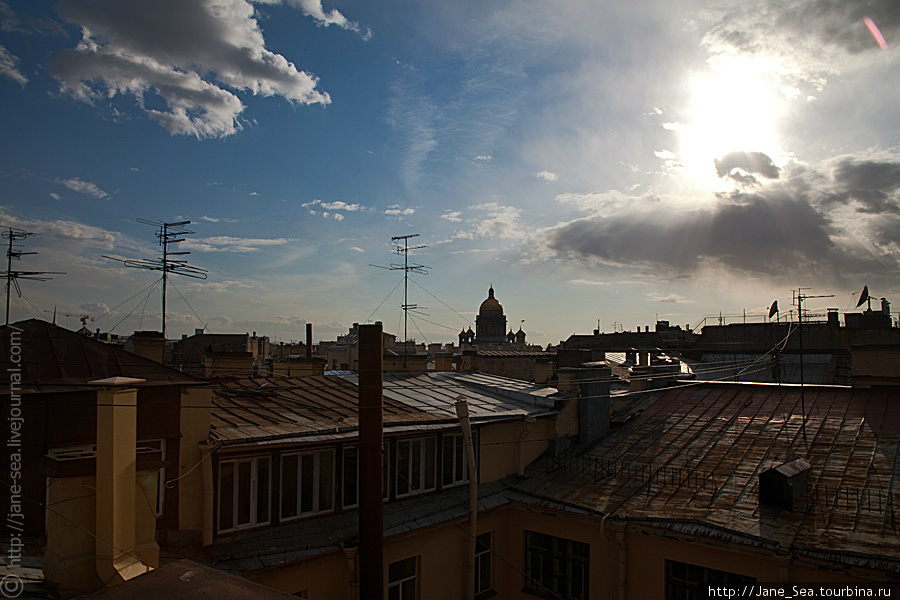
<point>491,303</point>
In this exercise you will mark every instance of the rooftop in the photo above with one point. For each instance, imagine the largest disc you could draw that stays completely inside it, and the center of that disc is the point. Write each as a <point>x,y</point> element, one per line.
<point>289,409</point>
<point>692,461</point>
<point>54,359</point>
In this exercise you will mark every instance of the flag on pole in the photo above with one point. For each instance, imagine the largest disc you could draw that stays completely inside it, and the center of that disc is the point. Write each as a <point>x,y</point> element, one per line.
<point>773,310</point>
<point>864,296</point>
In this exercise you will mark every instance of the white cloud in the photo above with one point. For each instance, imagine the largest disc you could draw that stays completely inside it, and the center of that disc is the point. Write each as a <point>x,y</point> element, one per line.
<point>587,282</point>
<point>194,55</point>
<point>395,210</point>
<point>499,221</point>
<point>673,298</point>
<point>483,158</point>
<point>548,176</point>
<point>84,187</point>
<point>452,215</point>
<point>313,8</point>
<point>338,205</point>
<point>664,154</point>
<point>356,249</point>
<point>224,243</point>
<point>9,67</point>
<point>55,196</point>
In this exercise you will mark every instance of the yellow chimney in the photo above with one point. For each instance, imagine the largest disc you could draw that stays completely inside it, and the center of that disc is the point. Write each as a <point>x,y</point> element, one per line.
<point>116,558</point>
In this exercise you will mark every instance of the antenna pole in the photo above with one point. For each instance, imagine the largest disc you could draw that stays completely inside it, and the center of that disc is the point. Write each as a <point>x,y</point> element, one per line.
<point>406,269</point>
<point>12,277</point>
<point>800,298</point>
<point>168,234</point>
<point>9,255</point>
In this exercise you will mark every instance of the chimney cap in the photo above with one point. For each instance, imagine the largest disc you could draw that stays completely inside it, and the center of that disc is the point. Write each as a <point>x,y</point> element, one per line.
<point>117,381</point>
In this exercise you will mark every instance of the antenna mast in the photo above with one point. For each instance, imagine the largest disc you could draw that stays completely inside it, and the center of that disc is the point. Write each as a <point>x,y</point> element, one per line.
<point>799,297</point>
<point>168,234</point>
<point>12,277</point>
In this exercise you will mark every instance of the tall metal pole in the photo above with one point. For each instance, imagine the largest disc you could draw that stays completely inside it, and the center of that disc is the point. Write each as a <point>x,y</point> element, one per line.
<point>800,342</point>
<point>165,245</point>
<point>9,254</point>
<point>371,462</point>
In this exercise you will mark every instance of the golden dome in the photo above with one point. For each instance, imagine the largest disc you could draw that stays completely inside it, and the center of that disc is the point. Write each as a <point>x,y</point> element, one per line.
<point>491,304</point>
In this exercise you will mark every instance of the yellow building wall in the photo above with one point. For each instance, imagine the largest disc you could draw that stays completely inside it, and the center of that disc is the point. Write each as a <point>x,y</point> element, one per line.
<point>501,443</point>
<point>627,561</point>
<point>196,404</point>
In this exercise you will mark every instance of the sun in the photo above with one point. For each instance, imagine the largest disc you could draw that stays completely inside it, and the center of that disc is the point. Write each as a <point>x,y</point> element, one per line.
<point>732,106</point>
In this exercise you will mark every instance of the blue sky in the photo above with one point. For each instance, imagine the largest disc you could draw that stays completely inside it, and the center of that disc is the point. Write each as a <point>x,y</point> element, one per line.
<point>623,163</point>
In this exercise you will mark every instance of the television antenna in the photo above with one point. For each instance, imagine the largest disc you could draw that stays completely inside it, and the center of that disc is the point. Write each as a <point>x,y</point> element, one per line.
<point>168,234</point>
<point>404,251</point>
<point>12,277</point>
<point>799,297</point>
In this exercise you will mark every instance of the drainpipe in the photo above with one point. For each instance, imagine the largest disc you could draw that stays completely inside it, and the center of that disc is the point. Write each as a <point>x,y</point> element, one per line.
<point>350,554</point>
<point>371,457</point>
<point>462,412</point>
<point>619,528</point>
<point>209,493</point>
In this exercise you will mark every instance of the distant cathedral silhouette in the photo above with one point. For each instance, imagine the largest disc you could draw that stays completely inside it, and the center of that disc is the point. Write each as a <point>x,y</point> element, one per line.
<point>490,327</point>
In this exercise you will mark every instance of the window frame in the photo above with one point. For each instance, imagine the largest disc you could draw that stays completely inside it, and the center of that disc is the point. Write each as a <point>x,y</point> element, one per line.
<point>484,556</point>
<point>416,485</point>
<point>697,579</point>
<point>398,584</point>
<point>255,508</point>
<point>559,560</point>
<point>316,493</point>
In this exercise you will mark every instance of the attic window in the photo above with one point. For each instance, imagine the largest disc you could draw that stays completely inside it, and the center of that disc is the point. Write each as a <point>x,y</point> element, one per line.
<point>780,486</point>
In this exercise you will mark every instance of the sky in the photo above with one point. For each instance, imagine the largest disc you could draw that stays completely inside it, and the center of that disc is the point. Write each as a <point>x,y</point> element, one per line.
<point>599,163</point>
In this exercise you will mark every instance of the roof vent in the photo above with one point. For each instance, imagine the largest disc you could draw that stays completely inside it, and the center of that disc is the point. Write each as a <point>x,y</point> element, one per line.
<point>779,487</point>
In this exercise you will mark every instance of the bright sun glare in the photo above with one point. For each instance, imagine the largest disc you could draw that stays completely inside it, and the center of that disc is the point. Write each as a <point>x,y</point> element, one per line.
<point>733,107</point>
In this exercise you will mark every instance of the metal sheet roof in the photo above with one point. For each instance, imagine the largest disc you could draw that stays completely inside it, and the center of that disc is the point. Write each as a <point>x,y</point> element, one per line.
<point>695,455</point>
<point>285,409</point>
<point>54,359</point>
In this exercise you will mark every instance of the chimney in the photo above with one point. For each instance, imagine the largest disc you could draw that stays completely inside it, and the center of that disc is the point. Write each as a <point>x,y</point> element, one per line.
<point>309,340</point>
<point>116,481</point>
<point>593,409</point>
<point>198,331</point>
<point>371,450</point>
<point>149,344</point>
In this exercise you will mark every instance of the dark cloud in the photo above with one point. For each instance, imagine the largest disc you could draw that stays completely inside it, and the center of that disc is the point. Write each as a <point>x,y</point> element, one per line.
<point>805,31</point>
<point>875,185</point>
<point>774,232</point>
<point>741,166</point>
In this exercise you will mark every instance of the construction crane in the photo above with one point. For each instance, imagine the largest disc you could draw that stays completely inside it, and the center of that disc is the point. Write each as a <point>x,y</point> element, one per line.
<point>82,317</point>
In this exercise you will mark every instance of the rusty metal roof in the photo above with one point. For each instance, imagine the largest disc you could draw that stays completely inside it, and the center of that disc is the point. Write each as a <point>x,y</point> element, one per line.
<point>694,457</point>
<point>290,409</point>
<point>54,359</point>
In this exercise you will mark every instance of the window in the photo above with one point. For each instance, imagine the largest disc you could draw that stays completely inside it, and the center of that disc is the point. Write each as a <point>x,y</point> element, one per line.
<point>402,579</point>
<point>350,492</point>
<point>416,466</point>
<point>454,466</point>
<point>556,567</point>
<point>244,492</point>
<point>307,483</point>
<point>483,571</point>
<point>686,582</point>
<point>156,449</point>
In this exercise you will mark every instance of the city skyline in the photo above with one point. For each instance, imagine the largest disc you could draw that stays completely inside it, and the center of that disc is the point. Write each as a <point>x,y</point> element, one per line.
<point>617,164</point>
